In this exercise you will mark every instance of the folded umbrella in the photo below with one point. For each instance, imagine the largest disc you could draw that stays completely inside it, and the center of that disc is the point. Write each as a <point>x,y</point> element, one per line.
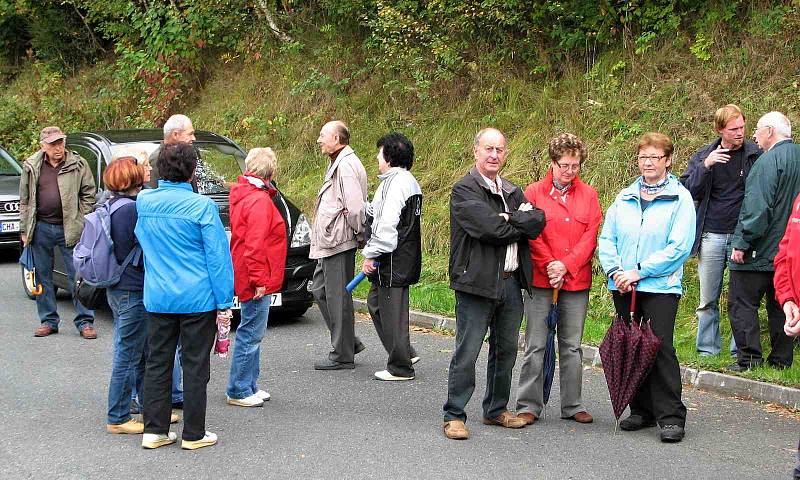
<point>26,259</point>
<point>549,362</point>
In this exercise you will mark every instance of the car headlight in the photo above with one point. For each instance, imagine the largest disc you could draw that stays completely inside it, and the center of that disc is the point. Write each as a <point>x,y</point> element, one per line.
<point>302,233</point>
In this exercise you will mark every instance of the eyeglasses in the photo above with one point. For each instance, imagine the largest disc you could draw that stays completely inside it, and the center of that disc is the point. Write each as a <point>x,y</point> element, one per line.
<point>569,167</point>
<point>755,130</point>
<point>653,158</point>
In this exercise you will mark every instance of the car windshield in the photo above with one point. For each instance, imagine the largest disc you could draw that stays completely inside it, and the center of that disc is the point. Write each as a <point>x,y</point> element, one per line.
<point>218,168</point>
<point>7,165</point>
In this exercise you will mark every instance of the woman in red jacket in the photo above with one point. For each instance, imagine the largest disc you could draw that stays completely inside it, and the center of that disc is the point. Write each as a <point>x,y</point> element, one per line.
<point>258,248</point>
<point>787,282</point>
<point>562,260</point>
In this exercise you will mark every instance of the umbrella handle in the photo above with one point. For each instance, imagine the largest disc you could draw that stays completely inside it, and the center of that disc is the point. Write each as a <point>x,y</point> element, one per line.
<point>633,301</point>
<point>555,295</point>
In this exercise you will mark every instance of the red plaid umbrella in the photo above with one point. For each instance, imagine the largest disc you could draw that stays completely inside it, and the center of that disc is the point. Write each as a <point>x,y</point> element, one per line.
<point>627,352</point>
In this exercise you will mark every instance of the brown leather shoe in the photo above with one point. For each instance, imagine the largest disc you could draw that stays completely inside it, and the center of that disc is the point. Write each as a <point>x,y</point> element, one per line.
<point>506,419</point>
<point>44,330</point>
<point>88,332</point>
<point>529,418</point>
<point>581,417</point>
<point>456,430</point>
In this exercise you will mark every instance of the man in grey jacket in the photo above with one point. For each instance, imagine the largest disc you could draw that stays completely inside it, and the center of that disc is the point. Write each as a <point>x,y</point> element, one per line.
<point>55,191</point>
<point>335,233</point>
<point>393,253</point>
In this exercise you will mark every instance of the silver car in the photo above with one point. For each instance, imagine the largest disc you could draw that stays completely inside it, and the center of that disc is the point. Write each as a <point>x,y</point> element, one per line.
<point>10,172</point>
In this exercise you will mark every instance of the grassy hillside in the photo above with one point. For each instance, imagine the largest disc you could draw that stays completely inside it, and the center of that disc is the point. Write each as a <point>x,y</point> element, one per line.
<point>281,97</point>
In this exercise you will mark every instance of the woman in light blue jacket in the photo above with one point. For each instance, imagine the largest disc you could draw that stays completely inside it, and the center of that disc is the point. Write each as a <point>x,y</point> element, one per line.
<point>647,237</point>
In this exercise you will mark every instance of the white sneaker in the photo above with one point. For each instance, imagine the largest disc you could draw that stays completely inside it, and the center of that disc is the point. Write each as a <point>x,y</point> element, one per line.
<point>388,377</point>
<point>251,401</point>
<point>262,395</point>
<point>208,440</point>
<point>155,440</point>
<point>416,359</point>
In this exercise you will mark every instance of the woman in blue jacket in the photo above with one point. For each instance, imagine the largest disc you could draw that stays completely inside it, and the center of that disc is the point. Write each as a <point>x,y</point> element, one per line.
<point>647,237</point>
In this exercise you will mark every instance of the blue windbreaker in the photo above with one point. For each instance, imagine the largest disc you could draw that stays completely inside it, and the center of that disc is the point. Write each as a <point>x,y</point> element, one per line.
<point>188,267</point>
<point>657,241</point>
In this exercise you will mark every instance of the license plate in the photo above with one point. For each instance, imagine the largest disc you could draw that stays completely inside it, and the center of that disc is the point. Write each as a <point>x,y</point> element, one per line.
<point>9,227</point>
<point>275,302</point>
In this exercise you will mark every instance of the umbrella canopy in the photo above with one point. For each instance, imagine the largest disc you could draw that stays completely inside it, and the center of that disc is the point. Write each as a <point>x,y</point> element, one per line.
<point>26,259</point>
<point>550,347</point>
<point>627,352</point>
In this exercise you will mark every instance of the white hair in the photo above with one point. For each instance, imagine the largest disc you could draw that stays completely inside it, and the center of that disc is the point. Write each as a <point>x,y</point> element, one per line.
<point>262,161</point>
<point>174,123</point>
<point>778,121</point>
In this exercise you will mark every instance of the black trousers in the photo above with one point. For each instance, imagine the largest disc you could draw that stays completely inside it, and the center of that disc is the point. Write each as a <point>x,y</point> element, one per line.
<point>388,307</point>
<point>659,397</point>
<point>746,290</point>
<point>196,332</point>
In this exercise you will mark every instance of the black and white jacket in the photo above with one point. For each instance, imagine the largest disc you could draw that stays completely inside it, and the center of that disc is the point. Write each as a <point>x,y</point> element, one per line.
<point>393,229</point>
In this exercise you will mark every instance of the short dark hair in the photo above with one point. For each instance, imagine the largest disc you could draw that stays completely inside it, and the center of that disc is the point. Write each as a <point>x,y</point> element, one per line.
<point>343,132</point>
<point>398,151</point>
<point>177,162</point>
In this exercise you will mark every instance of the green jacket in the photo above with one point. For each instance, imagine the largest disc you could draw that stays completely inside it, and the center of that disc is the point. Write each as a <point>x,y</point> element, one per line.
<point>77,188</point>
<point>772,185</point>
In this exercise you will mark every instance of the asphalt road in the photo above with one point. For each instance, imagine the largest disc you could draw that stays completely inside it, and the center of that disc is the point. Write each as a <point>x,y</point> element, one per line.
<point>343,424</point>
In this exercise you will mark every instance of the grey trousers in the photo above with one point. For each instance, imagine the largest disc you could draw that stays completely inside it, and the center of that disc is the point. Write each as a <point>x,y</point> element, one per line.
<point>330,277</point>
<point>569,330</point>
<point>388,307</point>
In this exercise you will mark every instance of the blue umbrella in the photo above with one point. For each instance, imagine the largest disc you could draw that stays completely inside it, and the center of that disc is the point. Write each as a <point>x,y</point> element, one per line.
<point>550,347</point>
<point>26,259</point>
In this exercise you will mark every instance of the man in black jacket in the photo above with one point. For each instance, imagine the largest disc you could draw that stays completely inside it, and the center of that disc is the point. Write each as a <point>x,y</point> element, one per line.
<point>490,225</point>
<point>716,178</point>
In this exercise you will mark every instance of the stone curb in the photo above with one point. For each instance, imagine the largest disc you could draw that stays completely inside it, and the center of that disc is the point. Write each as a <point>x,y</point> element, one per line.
<point>721,383</point>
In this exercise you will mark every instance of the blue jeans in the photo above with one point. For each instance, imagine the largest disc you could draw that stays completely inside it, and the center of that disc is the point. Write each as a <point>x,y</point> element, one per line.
<point>130,335</point>
<point>247,348</point>
<point>474,315</point>
<point>715,249</point>
<point>46,238</point>
<point>177,379</point>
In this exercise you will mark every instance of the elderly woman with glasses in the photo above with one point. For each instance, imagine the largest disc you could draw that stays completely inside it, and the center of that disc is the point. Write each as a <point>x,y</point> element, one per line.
<point>562,261</point>
<point>647,236</point>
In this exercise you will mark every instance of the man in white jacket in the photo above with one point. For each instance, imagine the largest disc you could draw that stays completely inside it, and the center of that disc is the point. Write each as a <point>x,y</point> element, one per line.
<point>338,226</point>
<point>393,253</point>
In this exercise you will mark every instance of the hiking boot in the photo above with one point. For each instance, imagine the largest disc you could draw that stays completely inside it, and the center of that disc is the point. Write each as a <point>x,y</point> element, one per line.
<point>155,440</point>
<point>44,330</point>
<point>132,426</point>
<point>672,433</point>
<point>506,419</point>
<point>529,418</point>
<point>88,332</point>
<point>456,430</point>
<point>208,440</point>
<point>636,422</point>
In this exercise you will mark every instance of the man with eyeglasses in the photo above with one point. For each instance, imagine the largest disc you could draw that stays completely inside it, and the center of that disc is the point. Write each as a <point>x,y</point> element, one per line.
<point>773,184</point>
<point>716,179</point>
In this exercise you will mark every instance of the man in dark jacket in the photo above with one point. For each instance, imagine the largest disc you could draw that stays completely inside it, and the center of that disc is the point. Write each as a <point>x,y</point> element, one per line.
<point>716,178</point>
<point>393,253</point>
<point>773,184</point>
<point>490,225</point>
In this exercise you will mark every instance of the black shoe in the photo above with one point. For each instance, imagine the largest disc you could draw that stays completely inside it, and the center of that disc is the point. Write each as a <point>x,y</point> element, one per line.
<point>672,433</point>
<point>636,422</point>
<point>331,365</point>
<point>135,407</point>
<point>177,405</point>
<point>359,348</point>
<point>737,367</point>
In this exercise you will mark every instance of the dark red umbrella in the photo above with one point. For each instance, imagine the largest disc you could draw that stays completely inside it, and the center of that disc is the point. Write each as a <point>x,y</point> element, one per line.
<point>627,352</point>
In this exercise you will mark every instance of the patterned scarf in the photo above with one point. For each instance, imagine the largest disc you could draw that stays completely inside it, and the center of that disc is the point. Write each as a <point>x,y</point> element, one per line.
<point>561,188</point>
<point>652,189</point>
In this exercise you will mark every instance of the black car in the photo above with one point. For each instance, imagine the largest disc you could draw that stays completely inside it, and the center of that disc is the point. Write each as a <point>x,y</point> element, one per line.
<point>222,161</point>
<point>10,172</point>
